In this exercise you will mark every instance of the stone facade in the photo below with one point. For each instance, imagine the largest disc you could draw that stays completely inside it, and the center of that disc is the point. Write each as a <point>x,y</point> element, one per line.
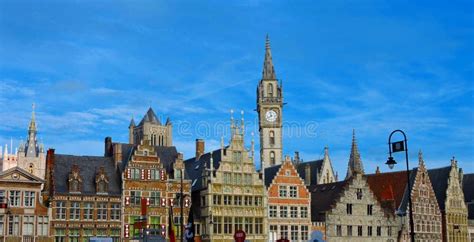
<point>289,203</point>
<point>23,217</point>
<point>353,212</point>
<point>427,217</point>
<point>447,185</point>
<point>228,193</point>
<point>468,190</point>
<point>269,108</point>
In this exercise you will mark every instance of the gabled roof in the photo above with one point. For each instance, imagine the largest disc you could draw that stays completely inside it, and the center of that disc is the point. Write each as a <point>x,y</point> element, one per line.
<point>468,187</point>
<point>167,155</point>
<point>389,188</point>
<point>439,181</point>
<point>324,197</point>
<point>150,117</point>
<point>6,175</point>
<point>88,166</point>
<point>315,168</point>
<point>194,168</point>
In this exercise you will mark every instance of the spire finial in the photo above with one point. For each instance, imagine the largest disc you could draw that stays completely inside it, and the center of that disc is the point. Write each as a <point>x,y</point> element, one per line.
<point>252,147</point>
<point>420,158</point>
<point>232,125</point>
<point>242,123</point>
<point>32,121</point>
<point>222,142</point>
<point>355,163</point>
<point>268,69</point>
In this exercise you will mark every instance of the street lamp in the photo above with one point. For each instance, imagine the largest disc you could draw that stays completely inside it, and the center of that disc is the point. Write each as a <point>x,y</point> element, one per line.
<point>397,147</point>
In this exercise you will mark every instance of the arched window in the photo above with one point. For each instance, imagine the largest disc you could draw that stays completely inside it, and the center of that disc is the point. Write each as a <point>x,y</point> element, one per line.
<point>270,90</point>
<point>272,158</point>
<point>272,137</point>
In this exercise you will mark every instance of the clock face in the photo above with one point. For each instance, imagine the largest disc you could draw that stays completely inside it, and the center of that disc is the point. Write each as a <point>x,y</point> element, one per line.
<point>271,116</point>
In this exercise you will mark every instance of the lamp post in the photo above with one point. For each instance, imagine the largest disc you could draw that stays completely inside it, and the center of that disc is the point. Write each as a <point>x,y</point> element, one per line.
<point>397,147</point>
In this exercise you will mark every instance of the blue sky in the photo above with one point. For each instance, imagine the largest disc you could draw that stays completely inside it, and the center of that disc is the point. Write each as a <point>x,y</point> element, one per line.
<point>374,66</point>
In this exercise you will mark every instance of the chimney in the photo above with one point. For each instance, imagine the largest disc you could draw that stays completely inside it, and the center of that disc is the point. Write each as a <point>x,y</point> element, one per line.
<point>117,153</point>
<point>199,148</point>
<point>108,147</point>
<point>49,186</point>
<point>297,157</point>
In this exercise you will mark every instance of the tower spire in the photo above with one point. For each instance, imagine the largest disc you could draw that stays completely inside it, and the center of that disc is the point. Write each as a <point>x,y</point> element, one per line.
<point>268,69</point>
<point>355,163</point>
<point>32,121</point>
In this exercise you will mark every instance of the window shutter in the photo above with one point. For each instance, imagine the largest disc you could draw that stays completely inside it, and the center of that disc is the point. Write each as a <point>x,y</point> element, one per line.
<point>127,200</point>
<point>129,173</point>
<point>163,202</point>
<point>126,230</point>
<point>149,174</point>
<point>143,174</point>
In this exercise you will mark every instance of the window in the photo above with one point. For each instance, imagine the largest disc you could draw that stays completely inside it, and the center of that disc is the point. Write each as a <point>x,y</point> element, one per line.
<point>293,212</point>
<point>359,230</point>
<point>237,156</point>
<point>155,221</point>
<point>369,231</point>
<point>60,235</point>
<point>359,194</point>
<point>87,233</point>
<point>273,228</point>
<point>217,221</point>
<point>258,201</point>
<point>238,223</point>
<point>238,200</point>
<point>284,231</point>
<point>216,199</point>
<point>273,211</point>
<point>135,173</point>
<point>370,209</point>
<point>349,230</point>
<point>294,232</point>
<point>74,211</point>
<point>28,223</point>
<point>304,212</point>
<point>13,225</point>
<point>258,225</point>
<point>247,201</point>
<point>349,208</point>
<point>227,200</point>
<point>283,211</point>
<point>88,211</point>
<point>15,198</point>
<point>60,210</point>
<point>155,198</point>
<point>293,191</point>
<point>203,201</point>
<point>101,211</point>
<point>154,174</point>
<point>73,235</point>
<point>282,191</point>
<point>135,197</point>
<point>389,231</point>
<point>379,231</point>
<point>42,225</point>
<point>270,90</point>
<point>29,199</point>
<point>272,137</point>
<point>248,224</point>
<point>248,179</point>
<point>2,197</point>
<point>115,211</point>
<point>227,178</point>
<point>272,158</point>
<point>227,225</point>
<point>304,233</point>
<point>101,187</point>
<point>237,178</point>
<point>338,230</point>
<point>2,225</point>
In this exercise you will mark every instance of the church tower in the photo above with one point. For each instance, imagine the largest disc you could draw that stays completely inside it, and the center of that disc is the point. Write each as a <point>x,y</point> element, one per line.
<point>269,108</point>
<point>151,128</point>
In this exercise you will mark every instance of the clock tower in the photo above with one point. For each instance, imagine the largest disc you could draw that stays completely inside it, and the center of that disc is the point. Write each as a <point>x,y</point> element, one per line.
<point>269,108</point>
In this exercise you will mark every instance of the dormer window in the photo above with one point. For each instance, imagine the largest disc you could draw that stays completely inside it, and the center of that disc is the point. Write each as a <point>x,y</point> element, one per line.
<point>75,180</point>
<point>101,181</point>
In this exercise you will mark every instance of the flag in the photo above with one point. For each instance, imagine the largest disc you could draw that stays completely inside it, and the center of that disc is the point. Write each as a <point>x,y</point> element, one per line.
<point>398,146</point>
<point>189,232</point>
<point>171,226</point>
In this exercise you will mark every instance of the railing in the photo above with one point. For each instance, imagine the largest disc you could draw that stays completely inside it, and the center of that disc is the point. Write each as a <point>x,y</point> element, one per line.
<point>271,99</point>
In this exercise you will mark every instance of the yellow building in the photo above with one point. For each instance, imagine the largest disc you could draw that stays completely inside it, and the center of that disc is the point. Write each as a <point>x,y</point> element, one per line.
<point>228,193</point>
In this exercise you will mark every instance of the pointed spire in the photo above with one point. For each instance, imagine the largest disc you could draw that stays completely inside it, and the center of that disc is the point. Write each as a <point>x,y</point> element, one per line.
<point>32,121</point>
<point>454,162</point>
<point>232,125</point>
<point>268,69</point>
<point>421,161</point>
<point>355,163</point>
<point>252,146</point>
<point>326,153</point>
<point>242,123</point>
<point>377,170</point>
<point>222,142</point>
<point>132,123</point>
